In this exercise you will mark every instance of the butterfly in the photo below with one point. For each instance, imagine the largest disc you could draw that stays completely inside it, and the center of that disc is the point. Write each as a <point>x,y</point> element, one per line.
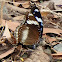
<point>30,32</point>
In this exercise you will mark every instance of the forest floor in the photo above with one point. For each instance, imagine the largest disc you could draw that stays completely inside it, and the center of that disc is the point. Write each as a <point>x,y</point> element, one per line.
<point>49,48</point>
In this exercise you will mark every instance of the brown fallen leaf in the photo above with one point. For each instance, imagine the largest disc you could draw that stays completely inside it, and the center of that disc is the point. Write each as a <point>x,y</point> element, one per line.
<point>17,9</point>
<point>8,35</point>
<point>52,30</point>
<point>6,32</point>
<point>7,53</point>
<point>51,6</point>
<point>49,13</point>
<point>50,39</point>
<point>22,17</point>
<point>44,14</point>
<point>25,4</point>
<point>16,3</point>
<point>11,25</point>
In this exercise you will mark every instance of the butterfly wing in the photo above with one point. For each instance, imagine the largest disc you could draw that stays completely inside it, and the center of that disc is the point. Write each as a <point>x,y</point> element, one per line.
<point>28,34</point>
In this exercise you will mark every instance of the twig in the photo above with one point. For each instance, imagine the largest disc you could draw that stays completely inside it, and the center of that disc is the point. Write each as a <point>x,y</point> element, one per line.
<point>57,10</point>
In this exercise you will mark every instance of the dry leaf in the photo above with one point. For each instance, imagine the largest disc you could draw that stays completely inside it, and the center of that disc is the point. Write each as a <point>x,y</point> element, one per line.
<point>52,30</point>
<point>11,25</point>
<point>7,53</point>
<point>6,32</point>
<point>25,4</point>
<point>22,17</point>
<point>49,39</point>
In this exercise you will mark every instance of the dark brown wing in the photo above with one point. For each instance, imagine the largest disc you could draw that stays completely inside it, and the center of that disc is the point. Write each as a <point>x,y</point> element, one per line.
<point>28,34</point>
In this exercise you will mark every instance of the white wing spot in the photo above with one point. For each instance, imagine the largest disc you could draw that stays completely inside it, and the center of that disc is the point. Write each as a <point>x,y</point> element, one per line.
<point>25,34</point>
<point>32,22</point>
<point>36,10</point>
